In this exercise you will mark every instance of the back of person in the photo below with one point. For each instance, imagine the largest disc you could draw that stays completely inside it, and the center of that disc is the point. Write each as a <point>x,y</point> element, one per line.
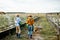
<point>17,20</point>
<point>30,21</point>
<point>18,29</point>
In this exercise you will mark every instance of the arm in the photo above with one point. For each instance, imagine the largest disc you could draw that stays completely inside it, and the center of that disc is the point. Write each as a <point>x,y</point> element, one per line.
<point>19,19</point>
<point>33,21</point>
<point>27,21</point>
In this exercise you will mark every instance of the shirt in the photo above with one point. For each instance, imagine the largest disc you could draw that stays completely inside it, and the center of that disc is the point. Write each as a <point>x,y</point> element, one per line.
<point>30,22</point>
<point>17,19</point>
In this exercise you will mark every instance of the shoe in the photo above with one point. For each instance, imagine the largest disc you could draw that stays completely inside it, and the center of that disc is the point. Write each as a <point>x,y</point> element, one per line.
<point>17,34</point>
<point>31,36</point>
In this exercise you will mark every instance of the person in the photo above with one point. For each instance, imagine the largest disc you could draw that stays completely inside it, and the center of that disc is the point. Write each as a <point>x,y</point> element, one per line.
<point>30,22</point>
<point>17,24</point>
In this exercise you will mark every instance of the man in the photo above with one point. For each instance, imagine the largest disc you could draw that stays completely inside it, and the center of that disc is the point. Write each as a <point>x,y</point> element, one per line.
<point>17,24</point>
<point>30,22</point>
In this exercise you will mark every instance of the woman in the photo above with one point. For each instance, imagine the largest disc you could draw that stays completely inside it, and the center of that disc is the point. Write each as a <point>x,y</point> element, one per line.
<point>17,24</point>
<point>30,22</point>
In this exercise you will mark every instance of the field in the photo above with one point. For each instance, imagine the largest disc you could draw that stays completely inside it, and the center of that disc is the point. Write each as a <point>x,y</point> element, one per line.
<point>47,33</point>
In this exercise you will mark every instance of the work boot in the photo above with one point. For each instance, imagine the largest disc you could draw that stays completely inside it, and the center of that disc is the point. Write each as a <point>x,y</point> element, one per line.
<point>19,35</point>
<point>31,36</point>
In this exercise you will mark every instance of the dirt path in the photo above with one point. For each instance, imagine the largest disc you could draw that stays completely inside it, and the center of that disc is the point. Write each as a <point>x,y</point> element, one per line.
<point>36,34</point>
<point>37,37</point>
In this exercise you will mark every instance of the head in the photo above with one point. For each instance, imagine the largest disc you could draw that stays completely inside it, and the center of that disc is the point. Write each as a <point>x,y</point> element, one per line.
<point>17,15</point>
<point>36,29</point>
<point>30,16</point>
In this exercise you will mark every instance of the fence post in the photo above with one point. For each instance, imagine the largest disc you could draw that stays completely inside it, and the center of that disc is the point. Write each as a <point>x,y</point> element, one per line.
<point>58,35</point>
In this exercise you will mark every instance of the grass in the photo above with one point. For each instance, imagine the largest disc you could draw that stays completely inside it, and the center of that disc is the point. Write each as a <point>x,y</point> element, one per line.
<point>4,21</point>
<point>48,31</point>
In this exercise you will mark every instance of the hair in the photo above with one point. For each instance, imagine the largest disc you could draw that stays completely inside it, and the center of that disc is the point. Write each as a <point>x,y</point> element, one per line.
<point>17,15</point>
<point>30,16</point>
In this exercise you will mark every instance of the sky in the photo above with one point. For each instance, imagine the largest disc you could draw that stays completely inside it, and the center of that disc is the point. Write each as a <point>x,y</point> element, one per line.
<point>31,6</point>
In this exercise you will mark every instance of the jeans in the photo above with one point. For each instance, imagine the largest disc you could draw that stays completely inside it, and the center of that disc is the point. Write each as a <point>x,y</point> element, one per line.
<point>30,30</point>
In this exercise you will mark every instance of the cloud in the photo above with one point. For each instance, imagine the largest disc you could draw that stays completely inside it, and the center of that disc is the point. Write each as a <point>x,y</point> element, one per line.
<point>30,5</point>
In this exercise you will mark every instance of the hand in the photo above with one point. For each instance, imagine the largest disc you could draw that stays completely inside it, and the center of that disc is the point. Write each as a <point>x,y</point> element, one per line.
<point>25,23</point>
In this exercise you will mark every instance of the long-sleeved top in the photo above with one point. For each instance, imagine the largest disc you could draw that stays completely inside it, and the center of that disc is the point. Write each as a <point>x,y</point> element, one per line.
<point>30,22</point>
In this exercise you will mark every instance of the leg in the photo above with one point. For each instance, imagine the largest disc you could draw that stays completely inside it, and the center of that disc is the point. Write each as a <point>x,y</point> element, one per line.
<point>17,29</point>
<point>19,32</point>
<point>30,31</point>
<point>31,35</point>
